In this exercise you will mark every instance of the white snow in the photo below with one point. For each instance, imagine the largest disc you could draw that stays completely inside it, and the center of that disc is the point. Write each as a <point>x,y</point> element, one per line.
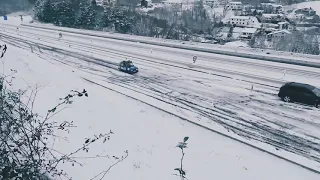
<point>315,5</point>
<point>170,81</point>
<point>149,134</point>
<point>15,19</point>
<point>237,44</point>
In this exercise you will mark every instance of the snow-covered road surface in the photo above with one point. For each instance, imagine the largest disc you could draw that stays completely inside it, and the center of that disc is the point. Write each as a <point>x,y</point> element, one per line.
<point>214,92</point>
<point>269,55</point>
<point>148,134</point>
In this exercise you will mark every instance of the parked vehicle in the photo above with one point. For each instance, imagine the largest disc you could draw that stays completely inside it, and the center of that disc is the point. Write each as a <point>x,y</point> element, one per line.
<point>301,93</point>
<point>128,67</point>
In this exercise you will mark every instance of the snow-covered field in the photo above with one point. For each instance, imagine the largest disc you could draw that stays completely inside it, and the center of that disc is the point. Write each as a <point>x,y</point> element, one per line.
<point>215,94</point>
<point>313,4</point>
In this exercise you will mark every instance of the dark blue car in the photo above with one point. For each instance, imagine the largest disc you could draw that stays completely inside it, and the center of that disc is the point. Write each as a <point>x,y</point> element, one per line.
<point>128,67</point>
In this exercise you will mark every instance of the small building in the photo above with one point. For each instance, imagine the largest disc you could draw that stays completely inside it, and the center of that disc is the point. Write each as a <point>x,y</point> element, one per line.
<point>285,26</point>
<point>235,6</point>
<point>296,17</point>
<point>105,3</point>
<point>278,34</point>
<point>272,8</point>
<point>272,18</point>
<point>146,3</point>
<point>306,11</point>
<point>213,3</point>
<point>177,2</point>
<point>269,27</point>
<point>248,33</point>
<point>99,2</point>
<point>244,21</point>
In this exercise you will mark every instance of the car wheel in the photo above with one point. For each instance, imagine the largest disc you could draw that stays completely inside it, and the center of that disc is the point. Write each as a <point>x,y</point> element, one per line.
<point>317,105</point>
<point>287,99</point>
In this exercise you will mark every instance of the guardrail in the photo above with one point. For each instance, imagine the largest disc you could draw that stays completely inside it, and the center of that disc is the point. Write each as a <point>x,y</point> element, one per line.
<point>300,62</point>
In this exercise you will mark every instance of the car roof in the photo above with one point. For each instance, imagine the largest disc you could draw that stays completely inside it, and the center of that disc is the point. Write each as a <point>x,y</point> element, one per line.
<point>295,84</point>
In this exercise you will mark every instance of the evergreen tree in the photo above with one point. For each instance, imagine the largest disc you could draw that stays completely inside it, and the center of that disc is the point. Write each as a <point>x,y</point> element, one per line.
<point>87,17</point>
<point>92,15</point>
<point>65,14</point>
<point>45,11</point>
<point>82,17</point>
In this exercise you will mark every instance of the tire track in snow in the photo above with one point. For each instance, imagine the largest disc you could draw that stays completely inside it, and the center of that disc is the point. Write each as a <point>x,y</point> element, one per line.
<point>222,72</point>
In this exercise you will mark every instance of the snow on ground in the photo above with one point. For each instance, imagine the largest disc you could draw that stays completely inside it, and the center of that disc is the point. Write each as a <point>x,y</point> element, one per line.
<point>313,4</point>
<point>227,16</point>
<point>260,116</point>
<point>217,62</point>
<point>15,18</point>
<point>219,103</point>
<point>237,44</point>
<point>150,135</point>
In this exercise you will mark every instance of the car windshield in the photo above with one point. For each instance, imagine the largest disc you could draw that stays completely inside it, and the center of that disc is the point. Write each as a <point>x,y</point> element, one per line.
<point>316,91</point>
<point>130,64</point>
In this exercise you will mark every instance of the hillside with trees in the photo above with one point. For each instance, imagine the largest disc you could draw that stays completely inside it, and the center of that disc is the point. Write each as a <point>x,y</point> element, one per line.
<point>159,22</point>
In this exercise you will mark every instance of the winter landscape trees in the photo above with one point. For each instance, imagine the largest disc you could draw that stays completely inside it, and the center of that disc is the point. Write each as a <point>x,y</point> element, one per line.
<point>165,22</point>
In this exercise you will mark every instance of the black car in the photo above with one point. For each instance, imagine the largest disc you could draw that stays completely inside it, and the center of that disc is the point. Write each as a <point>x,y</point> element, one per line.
<point>128,67</point>
<point>302,93</point>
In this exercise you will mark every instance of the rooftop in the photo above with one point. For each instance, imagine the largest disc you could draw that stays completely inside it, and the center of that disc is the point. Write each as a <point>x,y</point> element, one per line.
<point>272,15</point>
<point>283,22</point>
<point>240,17</point>
<point>281,31</point>
<point>238,2</point>
<point>271,4</point>
<point>249,30</point>
<point>270,25</point>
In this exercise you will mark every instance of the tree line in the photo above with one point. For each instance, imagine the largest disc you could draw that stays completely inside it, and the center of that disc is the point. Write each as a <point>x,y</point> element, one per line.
<point>164,22</point>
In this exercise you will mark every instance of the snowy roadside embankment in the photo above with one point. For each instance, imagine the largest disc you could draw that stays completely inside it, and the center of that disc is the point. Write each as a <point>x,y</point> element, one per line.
<point>311,62</point>
<point>148,134</point>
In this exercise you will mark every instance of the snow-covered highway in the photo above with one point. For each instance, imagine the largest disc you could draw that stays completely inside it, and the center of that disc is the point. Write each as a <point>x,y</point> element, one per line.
<point>224,64</point>
<point>215,92</point>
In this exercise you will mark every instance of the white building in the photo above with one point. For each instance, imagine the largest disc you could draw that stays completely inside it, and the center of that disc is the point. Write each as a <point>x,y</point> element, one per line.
<point>213,3</point>
<point>99,2</point>
<point>272,17</point>
<point>272,8</point>
<point>105,3</point>
<point>235,6</point>
<point>244,21</point>
<point>278,34</point>
<point>177,2</point>
<point>248,33</point>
